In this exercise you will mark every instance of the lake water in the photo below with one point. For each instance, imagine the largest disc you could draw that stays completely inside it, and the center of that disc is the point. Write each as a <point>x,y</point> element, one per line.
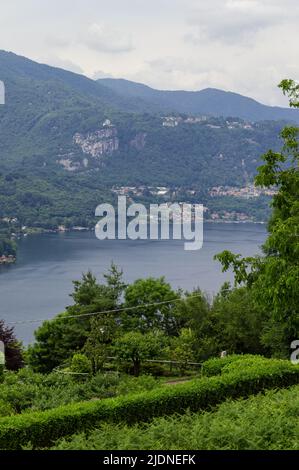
<point>38,285</point>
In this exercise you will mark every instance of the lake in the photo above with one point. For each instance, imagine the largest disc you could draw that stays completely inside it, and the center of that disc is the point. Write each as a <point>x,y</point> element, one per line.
<point>38,285</point>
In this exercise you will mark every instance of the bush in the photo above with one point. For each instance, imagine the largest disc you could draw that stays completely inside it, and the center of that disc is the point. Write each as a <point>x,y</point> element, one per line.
<point>246,363</point>
<point>26,390</point>
<point>43,428</point>
<point>102,385</point>
<point>5,409</point>
<point>215,365</point>
<point>80,364</point>
<point>263,422</point>
<point>19,389</point>
<point>137,384</point>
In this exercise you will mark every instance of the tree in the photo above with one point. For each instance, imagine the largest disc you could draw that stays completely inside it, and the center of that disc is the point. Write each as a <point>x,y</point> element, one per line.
<point>274,277</point>
<point>181,348</point>
<point>238,322</point>
<point>135,346</point>
<point>98,343</point>
<point>87,291</point>
<point>141,299</point>
<point>58,339</point>
<point>195,313</point>
<point>114,280</point>
<point>13,349</point>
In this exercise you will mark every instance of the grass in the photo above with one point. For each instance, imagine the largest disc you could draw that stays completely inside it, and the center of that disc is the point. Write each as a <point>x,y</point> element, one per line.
<point>267,421</point>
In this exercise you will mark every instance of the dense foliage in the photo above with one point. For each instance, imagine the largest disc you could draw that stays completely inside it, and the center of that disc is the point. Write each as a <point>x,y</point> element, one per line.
<point>29,391</point>
<point>146,320</point>
<point>42,428</point>
<point>273,279</point>
<point>264,422</point>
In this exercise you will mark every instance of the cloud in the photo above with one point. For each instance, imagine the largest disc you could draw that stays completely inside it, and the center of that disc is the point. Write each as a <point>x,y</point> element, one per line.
<point>57,40</point>
<point>232,21</point>
<point>102,38</point>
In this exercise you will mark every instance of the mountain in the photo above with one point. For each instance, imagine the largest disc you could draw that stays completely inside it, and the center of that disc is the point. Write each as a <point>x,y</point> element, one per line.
<point>210,101</point>
<point>68,143</point>
<point>19,71</point>
<point>45,106</point>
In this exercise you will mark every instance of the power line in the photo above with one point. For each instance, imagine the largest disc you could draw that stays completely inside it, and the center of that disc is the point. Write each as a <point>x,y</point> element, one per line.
<point>104,312</point>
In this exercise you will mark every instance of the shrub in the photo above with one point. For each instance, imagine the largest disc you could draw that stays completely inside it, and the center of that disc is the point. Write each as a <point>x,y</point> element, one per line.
<point>263,422</point>
<point>43,428</point>
<point>5,409</point>
<point>80,364</point>
<point>26,390</point>
<point>215,365</point>
<point>137,384</point>
<point>246,363</point>
<point>102,385</point>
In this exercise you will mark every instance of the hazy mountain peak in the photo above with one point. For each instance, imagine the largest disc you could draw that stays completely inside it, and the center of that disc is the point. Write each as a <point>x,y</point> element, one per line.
<point>209,101</point>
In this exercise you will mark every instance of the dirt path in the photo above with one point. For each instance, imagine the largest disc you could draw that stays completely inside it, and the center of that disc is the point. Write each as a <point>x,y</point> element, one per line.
<point>178,381</point>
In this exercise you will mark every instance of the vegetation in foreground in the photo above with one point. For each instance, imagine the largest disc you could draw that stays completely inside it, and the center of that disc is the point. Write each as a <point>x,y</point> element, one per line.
<point>240,379</point>
<point>267,421</point>
<point>29,391</point>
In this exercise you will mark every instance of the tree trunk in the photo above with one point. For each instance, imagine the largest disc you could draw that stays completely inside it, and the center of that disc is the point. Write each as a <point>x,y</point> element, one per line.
<point>136,367</point>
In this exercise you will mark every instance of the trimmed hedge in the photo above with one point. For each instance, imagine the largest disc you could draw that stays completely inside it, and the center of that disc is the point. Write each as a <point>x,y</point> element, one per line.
<point>41,429</point>
<point>215,365</point>
<point>266,421</point>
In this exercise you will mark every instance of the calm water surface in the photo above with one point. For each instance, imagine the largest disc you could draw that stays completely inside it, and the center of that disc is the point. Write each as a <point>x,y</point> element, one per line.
<point>39,284</point>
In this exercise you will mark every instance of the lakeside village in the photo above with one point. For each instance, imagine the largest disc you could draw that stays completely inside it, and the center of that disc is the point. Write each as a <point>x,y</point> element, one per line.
<point>169,195</point>
<point>247,192</point>
<point>160,194</point>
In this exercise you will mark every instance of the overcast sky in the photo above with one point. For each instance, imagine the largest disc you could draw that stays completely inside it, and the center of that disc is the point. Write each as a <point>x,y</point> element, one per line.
<point>246,46</point>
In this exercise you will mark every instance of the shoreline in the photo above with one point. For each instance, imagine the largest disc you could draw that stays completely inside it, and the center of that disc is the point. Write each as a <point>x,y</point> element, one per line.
<point>38,231</point>
<point>41,231</point>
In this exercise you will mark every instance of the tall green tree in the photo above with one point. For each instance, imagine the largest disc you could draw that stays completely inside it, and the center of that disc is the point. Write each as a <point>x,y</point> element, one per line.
<point>99,340</point>
<point>237,322</point>
<point>274,277</point>
<point>58,339</point>
<point>150,303</point>
<point>194,312</point>
<point>181,348</point>
<point>135,347</point>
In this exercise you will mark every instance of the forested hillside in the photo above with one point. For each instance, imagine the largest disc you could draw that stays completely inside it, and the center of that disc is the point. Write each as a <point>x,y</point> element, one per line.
<point>67,142</point>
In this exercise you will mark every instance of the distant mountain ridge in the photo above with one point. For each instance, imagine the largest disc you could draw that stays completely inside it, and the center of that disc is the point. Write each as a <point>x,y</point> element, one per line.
<point>209,101</point>
<point>67,143</point>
